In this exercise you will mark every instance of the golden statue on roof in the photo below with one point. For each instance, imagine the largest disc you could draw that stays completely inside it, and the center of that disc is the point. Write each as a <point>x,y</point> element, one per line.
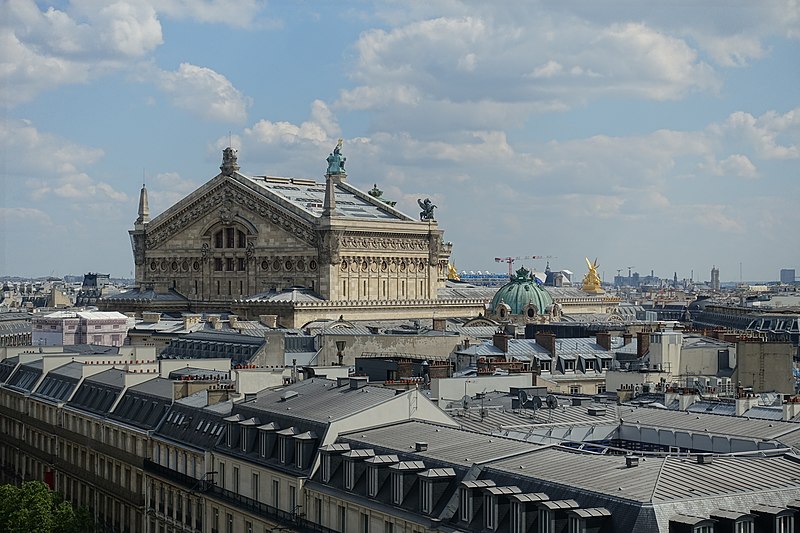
<point>452,273</point>
<point>591,281</point>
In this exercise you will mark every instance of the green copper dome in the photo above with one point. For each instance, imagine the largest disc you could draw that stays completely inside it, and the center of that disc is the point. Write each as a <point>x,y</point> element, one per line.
<point>521,291</point>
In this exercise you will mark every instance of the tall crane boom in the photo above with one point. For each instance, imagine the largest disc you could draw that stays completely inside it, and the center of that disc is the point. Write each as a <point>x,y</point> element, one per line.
<point>510,260</point>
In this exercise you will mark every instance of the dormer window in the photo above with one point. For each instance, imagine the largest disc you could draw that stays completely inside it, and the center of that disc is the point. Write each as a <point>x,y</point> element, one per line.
<point>517,518</point>
<point>326,467</point>
<point>490,511</point>
<point>284,450</point>
<point>298,454</point>
<point>426,496</point>
<point>397,488</point>
<point>244,439</point>
<point>349,474</point>
<point>372,481</point>
<point>229,435</point>
<point>569,365</point>
<point>744,526</point>
<point>466,505</point>
<point>262,444</point>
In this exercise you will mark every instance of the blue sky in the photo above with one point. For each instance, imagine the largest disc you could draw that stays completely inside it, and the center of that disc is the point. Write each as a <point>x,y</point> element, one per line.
<point>660,135</point>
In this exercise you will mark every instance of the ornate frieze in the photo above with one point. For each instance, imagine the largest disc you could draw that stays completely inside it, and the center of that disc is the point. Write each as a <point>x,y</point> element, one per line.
<point>225,201</point>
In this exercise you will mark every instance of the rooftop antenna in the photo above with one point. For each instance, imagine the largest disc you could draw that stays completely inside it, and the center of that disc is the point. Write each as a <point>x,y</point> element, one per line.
<point>230,139</point>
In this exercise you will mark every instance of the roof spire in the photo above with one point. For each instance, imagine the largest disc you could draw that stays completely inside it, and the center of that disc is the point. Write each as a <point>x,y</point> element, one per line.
<point>144,207</point>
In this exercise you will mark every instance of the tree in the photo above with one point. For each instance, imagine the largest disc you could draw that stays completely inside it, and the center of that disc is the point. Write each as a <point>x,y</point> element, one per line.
<point>34,508</point>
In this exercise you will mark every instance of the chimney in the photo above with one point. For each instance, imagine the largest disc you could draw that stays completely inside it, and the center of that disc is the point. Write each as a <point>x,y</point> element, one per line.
<point>500,341</point>
<point>704,458</point>
<point>271,321</point>
<point>214,321</point>
<point>421,446</point>
<point>217,395</point>
<point>233,321</point>
<point>745,401</point>
<point>547,340</point>
<point>440,324</point>
<point>604,340</point>
<point>190,320</point>
<point>358,382</point>
<point>626,338</point>
<point>150,317</point>
<point>642,343</point>
<point>791,407</point>
<point>631,461</point>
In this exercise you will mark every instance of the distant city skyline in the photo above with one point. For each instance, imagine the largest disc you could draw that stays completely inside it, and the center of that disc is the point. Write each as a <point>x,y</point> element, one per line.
<point>656,135</point>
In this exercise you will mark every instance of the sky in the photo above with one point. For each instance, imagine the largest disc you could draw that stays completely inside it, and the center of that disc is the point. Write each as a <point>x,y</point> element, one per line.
<point>662,136</point>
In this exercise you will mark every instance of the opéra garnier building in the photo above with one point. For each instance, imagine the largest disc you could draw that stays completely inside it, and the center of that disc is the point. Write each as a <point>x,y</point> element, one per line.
<point>289,247</point>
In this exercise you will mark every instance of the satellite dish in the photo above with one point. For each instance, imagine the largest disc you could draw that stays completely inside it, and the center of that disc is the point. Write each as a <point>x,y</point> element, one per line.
<point>523,398</point>
<point>537,402</point>
<point>552,401</point>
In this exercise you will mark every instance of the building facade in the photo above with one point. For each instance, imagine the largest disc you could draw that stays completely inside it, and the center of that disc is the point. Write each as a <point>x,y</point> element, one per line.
<point>251,242</point>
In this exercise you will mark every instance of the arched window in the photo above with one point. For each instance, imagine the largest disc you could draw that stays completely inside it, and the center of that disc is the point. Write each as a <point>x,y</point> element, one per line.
<point>230,238</point>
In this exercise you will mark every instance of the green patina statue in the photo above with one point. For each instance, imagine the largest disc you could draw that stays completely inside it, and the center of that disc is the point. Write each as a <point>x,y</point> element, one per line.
<point>336,160</point>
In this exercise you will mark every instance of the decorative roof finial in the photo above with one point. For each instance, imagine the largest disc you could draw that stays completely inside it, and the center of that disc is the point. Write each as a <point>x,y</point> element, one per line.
<point>229,162</point>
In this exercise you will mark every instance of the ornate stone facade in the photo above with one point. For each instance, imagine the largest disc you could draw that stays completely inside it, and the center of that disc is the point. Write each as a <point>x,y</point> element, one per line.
<point>238,238</point>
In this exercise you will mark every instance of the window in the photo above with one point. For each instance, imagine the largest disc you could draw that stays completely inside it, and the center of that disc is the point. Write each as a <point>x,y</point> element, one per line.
<point>784,524</point>
<point>574,389</point>
<point>293,500</point>
<point>517,518</point>
<point>218,265</point>
<point>426,496</point>
<point>397,488</point>
<point>255,486</point>
<point>545,526</point>
<point>388,527</point>
<point>466,505</point>
<point>577,525</point>
<point>372,481</point>
<point>284,450</point>
<point>490,511</point>
<point>696,529</point>
<point>229,522</point>
<point>744,526</point>
<point>589,364</point>
<point>276,485</point>
<point>248,526</point>
<point>601,388</point>
<point>342,512</point>
<point>236,479</point>
<point>318,510</point>
<point>363,523</point>
<point>544,366</point>
<point>222,474</point>
<point>569,365</point>
<point>326,468</point>
<point>298,454</point>
<point>349,474</point>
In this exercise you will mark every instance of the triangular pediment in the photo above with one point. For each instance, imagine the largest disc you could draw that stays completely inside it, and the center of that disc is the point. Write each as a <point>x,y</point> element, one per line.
<point>226,198</point>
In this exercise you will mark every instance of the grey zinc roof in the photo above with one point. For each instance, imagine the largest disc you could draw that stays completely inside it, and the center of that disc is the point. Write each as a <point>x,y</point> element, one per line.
<point>113,377</point>
<point>656,479</point>
<point>292,294</point>
<point>444,444</point>
<point>309,196</point>
<point>320,400</point>
<point>785,432</point>
<point>159,387</point>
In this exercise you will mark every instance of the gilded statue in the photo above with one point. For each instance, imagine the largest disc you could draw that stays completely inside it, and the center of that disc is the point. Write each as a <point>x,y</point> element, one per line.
<point>591,281</point>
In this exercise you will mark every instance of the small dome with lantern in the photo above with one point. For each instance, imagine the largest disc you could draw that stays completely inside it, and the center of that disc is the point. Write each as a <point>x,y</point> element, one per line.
<point>521,293</point>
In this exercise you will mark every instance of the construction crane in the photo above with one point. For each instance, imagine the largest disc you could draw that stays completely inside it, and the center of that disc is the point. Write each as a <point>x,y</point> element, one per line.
<point>510,260</point>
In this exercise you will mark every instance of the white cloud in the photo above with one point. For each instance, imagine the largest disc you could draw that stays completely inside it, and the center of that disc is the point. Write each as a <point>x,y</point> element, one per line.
<point>764,133</point>
<point>51,166</point>
<point>203,91</point>
<point>236,13</point>
<point>41,49</point>
<point>320,129</point>
<point>548,70</point>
